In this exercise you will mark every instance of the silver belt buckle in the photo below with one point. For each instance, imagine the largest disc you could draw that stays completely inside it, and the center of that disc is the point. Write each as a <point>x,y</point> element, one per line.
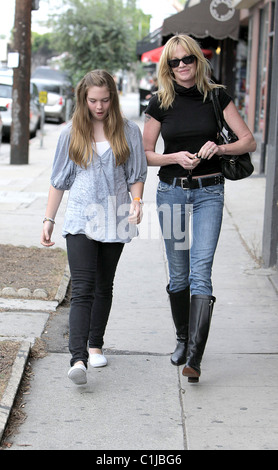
<point>186,180</point>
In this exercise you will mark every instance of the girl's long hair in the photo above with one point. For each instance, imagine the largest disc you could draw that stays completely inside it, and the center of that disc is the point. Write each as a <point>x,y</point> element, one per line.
<point>82,133</point>
<point>166,77</point>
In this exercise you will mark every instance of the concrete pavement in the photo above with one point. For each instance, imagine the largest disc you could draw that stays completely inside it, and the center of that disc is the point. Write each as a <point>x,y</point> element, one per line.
<point>140,401</point>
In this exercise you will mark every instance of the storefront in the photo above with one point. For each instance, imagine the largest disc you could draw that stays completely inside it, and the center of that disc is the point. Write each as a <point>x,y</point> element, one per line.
<point>262,107</point>
<point>259,15</point>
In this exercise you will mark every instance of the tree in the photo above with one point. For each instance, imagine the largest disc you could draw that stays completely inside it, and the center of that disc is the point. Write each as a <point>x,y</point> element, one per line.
<point>43,44</point>
<point>98,34</point>
<point>43,48</point>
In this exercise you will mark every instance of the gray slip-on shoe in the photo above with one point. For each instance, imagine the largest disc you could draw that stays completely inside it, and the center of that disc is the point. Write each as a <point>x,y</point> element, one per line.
<point>78,374</point>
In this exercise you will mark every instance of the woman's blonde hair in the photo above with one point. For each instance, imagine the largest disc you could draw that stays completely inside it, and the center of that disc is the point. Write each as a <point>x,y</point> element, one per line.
<point>166,77</point>
<point>82,134</point>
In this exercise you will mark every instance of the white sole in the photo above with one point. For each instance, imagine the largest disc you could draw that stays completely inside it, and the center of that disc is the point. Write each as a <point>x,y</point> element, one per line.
<point>77,375</point>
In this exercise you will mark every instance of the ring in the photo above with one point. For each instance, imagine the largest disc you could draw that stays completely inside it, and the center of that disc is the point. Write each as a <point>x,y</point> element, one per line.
<point>210,150</point>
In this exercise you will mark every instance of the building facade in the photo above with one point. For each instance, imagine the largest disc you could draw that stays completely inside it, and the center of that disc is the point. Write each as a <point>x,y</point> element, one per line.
<point>261,106</point>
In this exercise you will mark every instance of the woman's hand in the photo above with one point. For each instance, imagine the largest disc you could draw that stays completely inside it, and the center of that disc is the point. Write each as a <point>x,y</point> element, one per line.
<point>187,160</point>
<point>135,213</point>
<point>207,150</point>
<point>46,233</point>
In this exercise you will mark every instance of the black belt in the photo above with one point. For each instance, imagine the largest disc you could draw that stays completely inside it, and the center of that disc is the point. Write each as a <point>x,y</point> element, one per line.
<point>199,182</point>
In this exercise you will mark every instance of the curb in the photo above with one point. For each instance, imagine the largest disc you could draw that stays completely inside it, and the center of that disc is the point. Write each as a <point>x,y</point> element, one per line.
<point>22,303</point>
<point>8,398</point>
<point>38,294</point>
<point>18,368</point>
<point>62,289</point>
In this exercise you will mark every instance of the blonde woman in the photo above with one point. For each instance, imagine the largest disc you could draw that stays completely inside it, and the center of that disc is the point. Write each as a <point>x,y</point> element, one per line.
<point>191,187</point>
<point>100,159</point>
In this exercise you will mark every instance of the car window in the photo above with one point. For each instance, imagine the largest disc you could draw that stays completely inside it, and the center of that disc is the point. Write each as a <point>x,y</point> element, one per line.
<point>50,88</point>
<point>6,91</point>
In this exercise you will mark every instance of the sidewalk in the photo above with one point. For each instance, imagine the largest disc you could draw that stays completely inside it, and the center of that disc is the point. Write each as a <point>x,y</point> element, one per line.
<point>140,401</point>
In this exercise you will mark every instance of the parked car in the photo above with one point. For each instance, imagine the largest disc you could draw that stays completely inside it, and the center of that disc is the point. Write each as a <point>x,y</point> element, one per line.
<point>6,89</point>
<point>59,101</point>
<point>60,94</point>
<point>48,73</point>
<point>1,126</point>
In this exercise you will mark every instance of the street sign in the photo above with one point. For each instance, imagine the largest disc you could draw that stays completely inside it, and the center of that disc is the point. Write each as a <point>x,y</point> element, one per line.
<point>13,60</point>
<point>43,97</point>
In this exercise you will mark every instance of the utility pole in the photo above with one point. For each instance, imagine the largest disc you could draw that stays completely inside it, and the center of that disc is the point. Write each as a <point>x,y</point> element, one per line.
<point>270,230</point>
<point>21,84</point>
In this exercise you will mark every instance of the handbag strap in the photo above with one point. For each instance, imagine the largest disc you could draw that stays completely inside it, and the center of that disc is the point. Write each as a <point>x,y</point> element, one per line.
<point>217,109</point>
<point>222,124</point>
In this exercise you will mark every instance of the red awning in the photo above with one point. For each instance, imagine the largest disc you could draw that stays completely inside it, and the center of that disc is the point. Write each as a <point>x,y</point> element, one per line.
<point>154,55</point>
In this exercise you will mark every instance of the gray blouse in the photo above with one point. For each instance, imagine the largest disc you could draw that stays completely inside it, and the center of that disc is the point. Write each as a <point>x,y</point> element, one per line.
<point>99,200</point>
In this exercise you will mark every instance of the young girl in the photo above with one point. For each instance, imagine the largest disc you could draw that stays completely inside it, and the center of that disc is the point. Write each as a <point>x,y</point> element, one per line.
<point>100,158</point>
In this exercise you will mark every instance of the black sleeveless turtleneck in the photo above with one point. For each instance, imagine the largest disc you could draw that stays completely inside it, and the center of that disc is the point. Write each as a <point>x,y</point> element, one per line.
<point>187,125</point>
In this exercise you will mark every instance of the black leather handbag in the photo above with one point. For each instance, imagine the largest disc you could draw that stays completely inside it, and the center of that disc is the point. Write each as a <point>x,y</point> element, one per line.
<point>234,167</point>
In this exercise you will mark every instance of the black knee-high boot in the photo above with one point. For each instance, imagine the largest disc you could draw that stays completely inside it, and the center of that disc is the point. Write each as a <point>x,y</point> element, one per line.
<point>199,324</point>
<point>180,304</point>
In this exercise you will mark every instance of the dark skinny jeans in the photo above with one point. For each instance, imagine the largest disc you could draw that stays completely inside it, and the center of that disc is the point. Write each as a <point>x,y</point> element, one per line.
<point>92,266</point>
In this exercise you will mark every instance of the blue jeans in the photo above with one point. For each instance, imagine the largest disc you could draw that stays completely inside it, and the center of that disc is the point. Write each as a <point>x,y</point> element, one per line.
<point>190,220</point>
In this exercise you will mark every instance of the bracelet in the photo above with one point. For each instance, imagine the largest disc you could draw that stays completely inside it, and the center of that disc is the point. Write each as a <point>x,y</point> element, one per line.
<point>48,219</point>
<point>138,199</point>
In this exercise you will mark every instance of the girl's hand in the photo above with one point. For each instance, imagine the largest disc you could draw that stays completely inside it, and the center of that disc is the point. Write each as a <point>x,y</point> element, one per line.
<point>135,213</point>
<point>46,234</point>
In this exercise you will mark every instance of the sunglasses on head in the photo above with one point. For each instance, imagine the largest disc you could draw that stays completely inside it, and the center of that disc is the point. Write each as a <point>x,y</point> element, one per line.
<point>187,59</point>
